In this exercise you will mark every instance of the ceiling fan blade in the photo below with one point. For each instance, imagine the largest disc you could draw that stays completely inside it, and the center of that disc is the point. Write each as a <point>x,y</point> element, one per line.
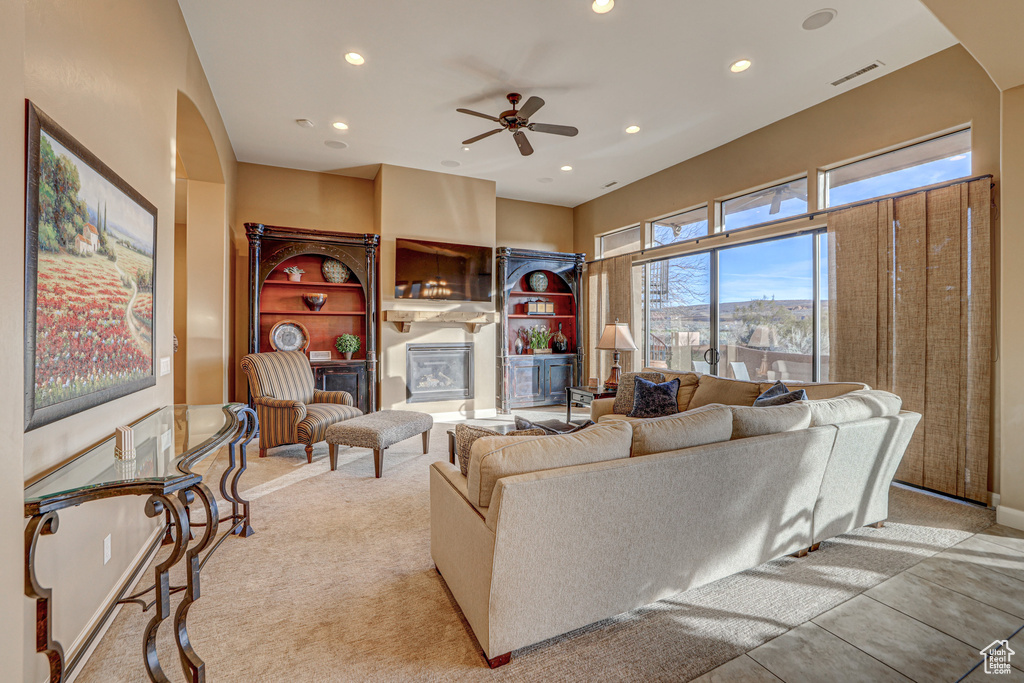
<point>552,128</point>
<point>476,113</point>
<point>482,136</point>
<point>525,148</point>
<point>776,203</point>
<point>530,107</point>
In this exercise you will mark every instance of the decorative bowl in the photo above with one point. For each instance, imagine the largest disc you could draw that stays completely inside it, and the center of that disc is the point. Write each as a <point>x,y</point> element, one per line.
<point>315,300</point>
<point>538,281</point>
<point>335,271</point>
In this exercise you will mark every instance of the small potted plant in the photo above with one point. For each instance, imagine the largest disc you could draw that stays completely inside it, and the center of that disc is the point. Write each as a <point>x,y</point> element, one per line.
<point>347,344</point>
<point>538,337</point>
<point>294,273</point>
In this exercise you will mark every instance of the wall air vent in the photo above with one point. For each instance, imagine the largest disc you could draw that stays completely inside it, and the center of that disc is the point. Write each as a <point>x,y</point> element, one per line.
<point>859,72</point>
<point>614,182</point>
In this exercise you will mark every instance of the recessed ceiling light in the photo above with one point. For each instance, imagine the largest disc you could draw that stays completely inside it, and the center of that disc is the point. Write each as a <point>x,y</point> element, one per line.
<point>305,123</point>
<point>354,58</point>
<point>738,66</point>
<point>819,19</point>
<point>632,129</point>
<point>340,125</point>
<point>335,144</point>
<point>567,168</point>
<point>603,6</point>
<point>545,180</point>
<point>450,163</point>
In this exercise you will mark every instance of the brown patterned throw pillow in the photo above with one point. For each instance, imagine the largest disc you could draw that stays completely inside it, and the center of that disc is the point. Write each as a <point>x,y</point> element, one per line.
<point>466,436</point>
<point>624,396</point>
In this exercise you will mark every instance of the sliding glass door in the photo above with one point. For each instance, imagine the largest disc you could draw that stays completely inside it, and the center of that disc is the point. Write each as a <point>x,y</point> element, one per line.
<point>751,312</point>
<point>679,312</point>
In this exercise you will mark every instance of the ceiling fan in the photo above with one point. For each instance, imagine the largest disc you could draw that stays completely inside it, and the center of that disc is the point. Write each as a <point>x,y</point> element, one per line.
<point>517,120</point>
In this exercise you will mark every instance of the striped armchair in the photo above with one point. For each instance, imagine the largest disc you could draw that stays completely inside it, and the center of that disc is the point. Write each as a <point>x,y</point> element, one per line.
<point>290,409</point>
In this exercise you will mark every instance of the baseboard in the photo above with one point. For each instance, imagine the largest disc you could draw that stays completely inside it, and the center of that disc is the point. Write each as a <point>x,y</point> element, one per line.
<point>1010,517</point>
<point>458,416</point>
<point>80,651</point>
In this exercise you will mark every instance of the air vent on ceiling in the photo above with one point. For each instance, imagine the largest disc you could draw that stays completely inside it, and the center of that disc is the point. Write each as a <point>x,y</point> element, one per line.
<point>859,72</point>
<point>614,182</point>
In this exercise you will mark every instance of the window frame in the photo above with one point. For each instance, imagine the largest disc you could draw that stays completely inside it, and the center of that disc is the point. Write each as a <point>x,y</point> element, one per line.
<point>649,241</point>
<point>599,247</point>
<point>720,203</point>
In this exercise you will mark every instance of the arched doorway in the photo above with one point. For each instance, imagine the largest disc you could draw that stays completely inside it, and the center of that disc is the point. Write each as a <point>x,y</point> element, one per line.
<point>201,263</point>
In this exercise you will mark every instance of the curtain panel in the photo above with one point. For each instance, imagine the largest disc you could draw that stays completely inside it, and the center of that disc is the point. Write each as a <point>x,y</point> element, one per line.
<point>612,293</point>
<point>910,311</point>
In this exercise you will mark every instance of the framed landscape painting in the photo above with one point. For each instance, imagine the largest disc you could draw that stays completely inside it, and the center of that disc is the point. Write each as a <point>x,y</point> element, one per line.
<point>90,278</point>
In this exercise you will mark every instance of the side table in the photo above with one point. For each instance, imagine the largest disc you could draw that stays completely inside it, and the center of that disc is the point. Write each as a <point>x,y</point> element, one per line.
<point>584,396</point>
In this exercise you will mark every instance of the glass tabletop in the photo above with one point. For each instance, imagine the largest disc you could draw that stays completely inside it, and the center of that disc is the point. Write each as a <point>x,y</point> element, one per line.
<point>163,440</point>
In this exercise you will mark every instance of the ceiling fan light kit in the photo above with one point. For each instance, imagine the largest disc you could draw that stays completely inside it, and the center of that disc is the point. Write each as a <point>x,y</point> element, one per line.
<point>603,6</point>
<point>516,120</point>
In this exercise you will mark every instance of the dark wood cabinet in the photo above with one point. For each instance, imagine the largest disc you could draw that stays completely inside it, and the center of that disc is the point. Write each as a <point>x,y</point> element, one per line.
<point>525,380</point>
<point>344,375</point>
<point>540,380</point>
<point>350,307</point>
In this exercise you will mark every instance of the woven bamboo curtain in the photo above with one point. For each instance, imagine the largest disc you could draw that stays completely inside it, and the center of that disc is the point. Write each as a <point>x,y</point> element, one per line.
<point>910,312</point>
<point>610,295</point>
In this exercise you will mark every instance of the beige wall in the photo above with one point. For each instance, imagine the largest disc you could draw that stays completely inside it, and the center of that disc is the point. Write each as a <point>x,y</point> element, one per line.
<point>117,95</point>
<point>529,225</point>
<point>181,309</point>
<point>1010,369</point>
<point>946,90</point>
<point>12,226</point>
<point>434,206</point>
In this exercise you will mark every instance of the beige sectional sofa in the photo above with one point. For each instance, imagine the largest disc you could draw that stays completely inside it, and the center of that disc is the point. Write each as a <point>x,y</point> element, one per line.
<point>550,533</point>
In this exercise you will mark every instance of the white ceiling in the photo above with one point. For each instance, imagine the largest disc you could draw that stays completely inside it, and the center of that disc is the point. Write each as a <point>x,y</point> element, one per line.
<point>660,64</point>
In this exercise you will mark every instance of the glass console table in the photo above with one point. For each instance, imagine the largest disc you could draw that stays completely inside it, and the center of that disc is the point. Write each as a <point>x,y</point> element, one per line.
<point>170,445</point>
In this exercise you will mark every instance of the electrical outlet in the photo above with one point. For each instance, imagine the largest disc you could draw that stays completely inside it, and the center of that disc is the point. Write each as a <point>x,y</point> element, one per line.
<point>106,549</point>
<point>165,366</point>
<point>166,440</point>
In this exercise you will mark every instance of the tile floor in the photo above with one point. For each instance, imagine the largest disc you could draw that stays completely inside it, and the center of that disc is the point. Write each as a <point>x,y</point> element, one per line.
<point>926,624</point>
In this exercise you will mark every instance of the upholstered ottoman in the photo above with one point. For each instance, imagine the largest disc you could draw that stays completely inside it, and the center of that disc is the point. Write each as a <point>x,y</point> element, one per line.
<point>378,431</point>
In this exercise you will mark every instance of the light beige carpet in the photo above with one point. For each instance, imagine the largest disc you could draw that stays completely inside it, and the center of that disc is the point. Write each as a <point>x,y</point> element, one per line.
<point>337,584</point>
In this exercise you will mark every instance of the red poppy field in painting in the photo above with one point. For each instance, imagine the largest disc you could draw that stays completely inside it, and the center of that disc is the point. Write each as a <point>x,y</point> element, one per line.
<point>93,323</point>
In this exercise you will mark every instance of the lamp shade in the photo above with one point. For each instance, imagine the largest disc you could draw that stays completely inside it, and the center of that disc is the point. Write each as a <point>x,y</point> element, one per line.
<point>762,338</point>
<point>616,337</point>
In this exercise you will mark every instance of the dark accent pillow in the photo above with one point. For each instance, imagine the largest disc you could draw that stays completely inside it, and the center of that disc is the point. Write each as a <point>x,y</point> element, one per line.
<point>651,399</point>
<point>779,394</point>
<point>466,435</point>
<point>552,426</point>
<point>624,394</point>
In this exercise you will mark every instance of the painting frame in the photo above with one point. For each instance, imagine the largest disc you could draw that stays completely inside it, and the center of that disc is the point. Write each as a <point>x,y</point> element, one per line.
<point>37,124</point>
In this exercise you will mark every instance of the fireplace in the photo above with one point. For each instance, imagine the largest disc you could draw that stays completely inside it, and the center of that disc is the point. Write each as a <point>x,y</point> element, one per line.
<point>438,372</point>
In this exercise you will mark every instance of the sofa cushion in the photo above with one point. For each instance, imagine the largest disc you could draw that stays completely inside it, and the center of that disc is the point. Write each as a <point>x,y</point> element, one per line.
<point>494,457</point>
<point>819,390</point>
<point>698,427</point>
<point>552,426</point>
<point>466,435</point>
<point>748,422</point>
<point>651,399</point>
<point>731,392</point>
<point>687,386</point>
<point>857,405</point>
<point>624,394</point>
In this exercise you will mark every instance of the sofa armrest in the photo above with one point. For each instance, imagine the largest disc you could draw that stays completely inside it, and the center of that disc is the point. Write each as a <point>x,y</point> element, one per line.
<point>339,397</point>
<point>601,406</point>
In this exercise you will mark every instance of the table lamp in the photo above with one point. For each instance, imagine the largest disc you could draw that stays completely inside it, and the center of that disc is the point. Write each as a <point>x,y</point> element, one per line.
<point>616,338</point>
<point>763,337</point>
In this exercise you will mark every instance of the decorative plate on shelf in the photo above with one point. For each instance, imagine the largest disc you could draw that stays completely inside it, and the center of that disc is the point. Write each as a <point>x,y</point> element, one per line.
<point>538,281</point>
<point>289,335</point>
<point>335,271</point>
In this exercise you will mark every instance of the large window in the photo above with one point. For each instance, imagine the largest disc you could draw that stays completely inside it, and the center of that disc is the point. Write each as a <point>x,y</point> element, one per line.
<point>680,227</point>
<point>621,242</point>
<point>935,161</point>
<point>748,312</point>
<point>762,206</point>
